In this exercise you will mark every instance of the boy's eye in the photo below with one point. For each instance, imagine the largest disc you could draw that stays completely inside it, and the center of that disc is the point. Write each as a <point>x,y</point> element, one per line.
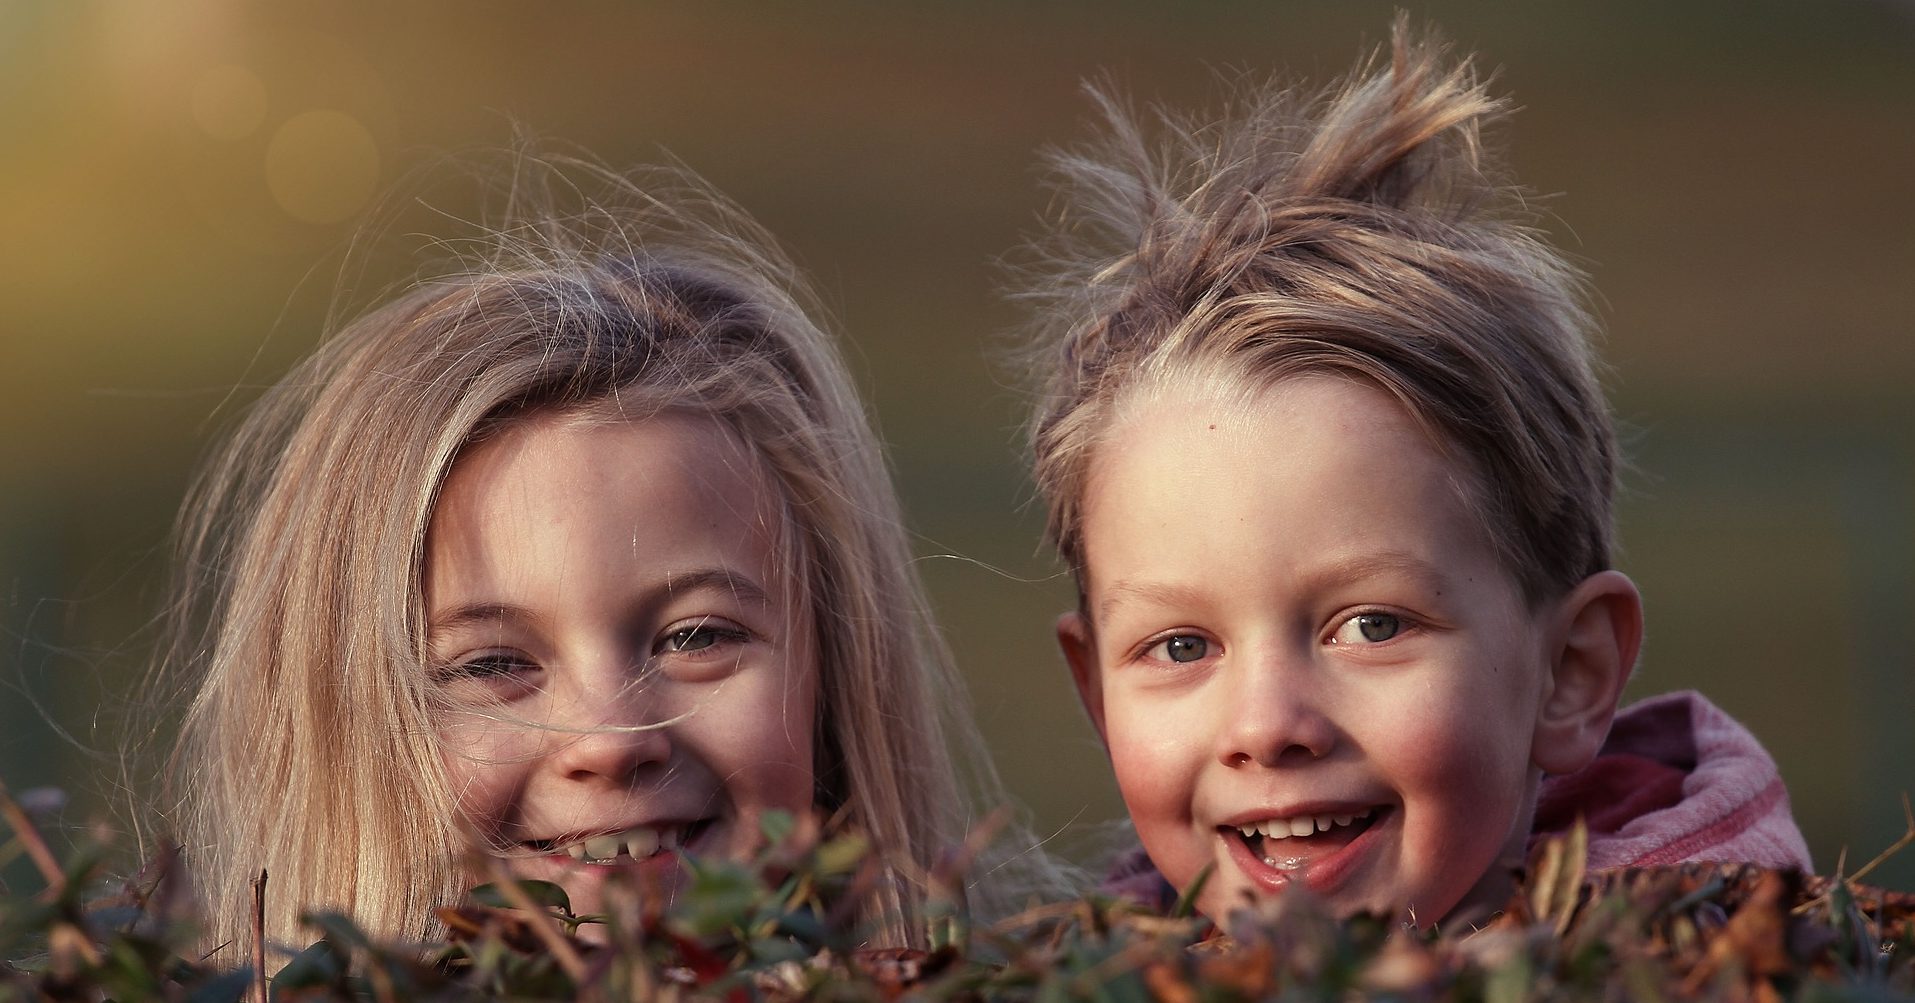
<point>1367,628</point>
<point>1182,648</point>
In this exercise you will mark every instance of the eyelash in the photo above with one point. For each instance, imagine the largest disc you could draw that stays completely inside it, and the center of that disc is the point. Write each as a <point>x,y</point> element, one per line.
<point>1404,624</point>
<point>720,632</point>
<point>494,663</point>
<point>1146,651</point>
<point>501,663</point>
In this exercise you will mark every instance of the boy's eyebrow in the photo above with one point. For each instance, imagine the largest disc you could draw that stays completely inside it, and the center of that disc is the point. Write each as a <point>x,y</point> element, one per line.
<point>1350,569</point>
<point>1156,593</point>
<point>1364,566</point>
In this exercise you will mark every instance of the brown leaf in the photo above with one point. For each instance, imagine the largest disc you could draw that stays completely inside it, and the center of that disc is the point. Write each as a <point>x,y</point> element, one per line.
<point>1755,938</point>
<point>1402,966</point>
<point>894,969</point>
<point>1248,969</point>
<point>1167,984</point>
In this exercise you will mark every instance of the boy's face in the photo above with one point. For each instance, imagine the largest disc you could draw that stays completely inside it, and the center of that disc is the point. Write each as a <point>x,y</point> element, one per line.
<point>1303,654</point>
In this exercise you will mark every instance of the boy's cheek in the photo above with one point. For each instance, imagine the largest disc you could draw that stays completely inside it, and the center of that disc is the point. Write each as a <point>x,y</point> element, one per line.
<point>1155,750</point>
<point>1157,762</point>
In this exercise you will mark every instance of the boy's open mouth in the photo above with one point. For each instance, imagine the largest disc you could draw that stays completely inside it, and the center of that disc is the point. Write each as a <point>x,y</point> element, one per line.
<point>1288,844</point>
<point>634,844</point>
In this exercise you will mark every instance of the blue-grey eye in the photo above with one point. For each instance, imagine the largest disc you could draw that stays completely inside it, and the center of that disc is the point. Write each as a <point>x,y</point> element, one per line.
<point>1185,648</point>
<point>1378,626</point>
<point>691,639</point>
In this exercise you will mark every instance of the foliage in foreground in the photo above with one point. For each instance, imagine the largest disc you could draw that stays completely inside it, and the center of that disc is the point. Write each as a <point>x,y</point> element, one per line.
<point>779,929</point>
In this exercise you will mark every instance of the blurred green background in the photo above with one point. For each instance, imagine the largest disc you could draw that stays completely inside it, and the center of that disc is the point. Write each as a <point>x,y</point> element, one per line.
<point>179,182</point>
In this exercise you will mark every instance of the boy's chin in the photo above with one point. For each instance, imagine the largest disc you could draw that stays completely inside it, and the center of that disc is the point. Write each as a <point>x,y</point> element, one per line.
<point>1358,876</point>
<point>1481,904</point>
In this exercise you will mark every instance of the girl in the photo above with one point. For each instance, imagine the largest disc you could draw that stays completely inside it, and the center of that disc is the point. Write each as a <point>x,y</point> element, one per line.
<point>583,547</point>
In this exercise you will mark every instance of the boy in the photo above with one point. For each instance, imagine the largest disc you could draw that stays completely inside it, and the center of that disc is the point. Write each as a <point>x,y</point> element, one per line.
<point>1323,444</point>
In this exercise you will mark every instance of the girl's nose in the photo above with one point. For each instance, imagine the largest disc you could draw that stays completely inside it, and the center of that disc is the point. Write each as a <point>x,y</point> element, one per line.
<point>1274,713</point>
<point>612,737</point>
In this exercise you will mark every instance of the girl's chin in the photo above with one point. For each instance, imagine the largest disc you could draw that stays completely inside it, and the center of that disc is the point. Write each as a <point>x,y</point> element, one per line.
<point>589,886</point>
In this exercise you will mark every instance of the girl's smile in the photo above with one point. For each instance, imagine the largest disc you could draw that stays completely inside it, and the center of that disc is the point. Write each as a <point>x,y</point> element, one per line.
<point>625,673</point>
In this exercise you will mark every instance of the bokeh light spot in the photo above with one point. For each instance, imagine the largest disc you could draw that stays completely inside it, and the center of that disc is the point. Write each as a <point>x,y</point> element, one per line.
<point>229,102</point>
<point>322,166</point>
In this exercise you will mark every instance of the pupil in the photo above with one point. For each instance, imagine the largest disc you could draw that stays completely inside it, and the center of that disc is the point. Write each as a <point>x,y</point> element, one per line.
<point>691,640</point>
<point>1377,626</point>
<point>1185,648</point>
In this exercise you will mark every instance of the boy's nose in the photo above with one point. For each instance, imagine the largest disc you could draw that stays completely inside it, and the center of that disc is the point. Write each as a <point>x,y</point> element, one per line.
<point>1274,714</point>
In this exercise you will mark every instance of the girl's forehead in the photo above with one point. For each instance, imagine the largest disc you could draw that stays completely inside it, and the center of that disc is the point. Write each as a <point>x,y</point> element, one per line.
<point>556,473</point>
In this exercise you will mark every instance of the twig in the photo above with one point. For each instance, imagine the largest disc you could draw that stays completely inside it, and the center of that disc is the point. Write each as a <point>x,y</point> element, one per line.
<point>259,937</point>
<point>1908,837</point>
<point>540,921</point>
<point>35,844</point>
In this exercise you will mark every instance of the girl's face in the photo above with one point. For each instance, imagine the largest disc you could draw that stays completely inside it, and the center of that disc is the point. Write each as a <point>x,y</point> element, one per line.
<point>627,669</point>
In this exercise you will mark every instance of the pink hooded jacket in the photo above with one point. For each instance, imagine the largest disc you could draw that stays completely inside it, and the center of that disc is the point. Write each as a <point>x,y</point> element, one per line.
<point>1677,780</point>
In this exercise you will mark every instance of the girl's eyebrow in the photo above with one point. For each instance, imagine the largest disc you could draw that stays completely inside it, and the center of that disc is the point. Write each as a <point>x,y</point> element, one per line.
<point>448,621</point>
<point>739,586</point>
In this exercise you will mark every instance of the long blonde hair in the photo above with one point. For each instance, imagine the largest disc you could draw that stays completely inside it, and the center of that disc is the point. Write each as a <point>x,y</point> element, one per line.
<point>308,749</point>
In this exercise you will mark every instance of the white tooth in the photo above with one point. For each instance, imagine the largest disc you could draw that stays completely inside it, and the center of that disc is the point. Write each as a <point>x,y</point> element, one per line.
<point>1249,831</point>
<point>641,843</point>
<point>668,839</point>
<point>577,851</point>
<point>1274,829</point>
<point>1344,819</point>
<point>1302,825</point>
<point>1324,822</point>
<point>603,847</point>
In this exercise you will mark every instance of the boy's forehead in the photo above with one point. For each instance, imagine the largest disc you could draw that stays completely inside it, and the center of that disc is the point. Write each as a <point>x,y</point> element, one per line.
<point>1211,399</point>
<point>1307,462</point>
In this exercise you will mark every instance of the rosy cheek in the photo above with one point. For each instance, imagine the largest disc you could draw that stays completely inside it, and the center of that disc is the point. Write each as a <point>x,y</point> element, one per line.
<point>1155,766</point>
<point>1462,791</point>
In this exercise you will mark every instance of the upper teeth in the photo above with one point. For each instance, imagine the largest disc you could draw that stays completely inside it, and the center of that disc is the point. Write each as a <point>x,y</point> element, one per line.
<point>638,843</point>
<point>1301,825</point>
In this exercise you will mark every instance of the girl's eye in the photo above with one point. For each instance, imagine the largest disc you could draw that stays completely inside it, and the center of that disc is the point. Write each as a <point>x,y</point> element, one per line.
<point>697,637</point>
<point>491,665</point>
<point>1181,648</point>
<point>1367,628</point>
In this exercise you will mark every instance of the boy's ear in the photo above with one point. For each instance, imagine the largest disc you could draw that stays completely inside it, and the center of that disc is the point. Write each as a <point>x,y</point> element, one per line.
<point>1594,637</point>
<point>1080,651</point>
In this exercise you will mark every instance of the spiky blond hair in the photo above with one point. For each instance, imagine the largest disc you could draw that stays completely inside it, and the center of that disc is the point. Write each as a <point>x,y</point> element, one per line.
<point>1361,230</point>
